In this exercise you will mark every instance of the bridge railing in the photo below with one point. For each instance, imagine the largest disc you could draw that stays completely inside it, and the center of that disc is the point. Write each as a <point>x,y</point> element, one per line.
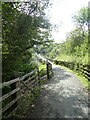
<point>17,87</point>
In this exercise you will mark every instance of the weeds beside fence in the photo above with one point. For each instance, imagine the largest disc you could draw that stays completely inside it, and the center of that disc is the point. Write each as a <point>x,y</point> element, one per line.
<point>19,87</point>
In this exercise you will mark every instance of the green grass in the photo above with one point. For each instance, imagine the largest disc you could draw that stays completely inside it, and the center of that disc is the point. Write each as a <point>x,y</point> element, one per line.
<point>84,81</point>
<point>73,58</point>
<point>42,70</point>
<point>42,66</point>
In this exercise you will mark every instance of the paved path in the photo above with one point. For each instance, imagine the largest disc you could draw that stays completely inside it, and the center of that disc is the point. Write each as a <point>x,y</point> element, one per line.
<point>62,97</point>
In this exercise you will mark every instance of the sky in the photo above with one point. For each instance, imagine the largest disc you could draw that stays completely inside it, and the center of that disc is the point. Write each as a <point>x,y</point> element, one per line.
<point>61,14</point>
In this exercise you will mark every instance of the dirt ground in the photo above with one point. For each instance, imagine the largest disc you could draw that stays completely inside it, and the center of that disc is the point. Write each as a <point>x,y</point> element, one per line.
<point>63,96</point>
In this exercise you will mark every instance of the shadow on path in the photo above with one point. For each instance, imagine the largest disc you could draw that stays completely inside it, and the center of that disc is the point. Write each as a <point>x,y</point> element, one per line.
<point>62,97</point>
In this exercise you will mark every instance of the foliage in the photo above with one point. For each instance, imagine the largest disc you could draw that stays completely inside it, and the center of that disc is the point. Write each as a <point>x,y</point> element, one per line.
<point>81,17</point>
<point>75,48</point>
<point>26,102</point>
<point>42,70</point>
<point>22,29</point>
<point>73,53</point>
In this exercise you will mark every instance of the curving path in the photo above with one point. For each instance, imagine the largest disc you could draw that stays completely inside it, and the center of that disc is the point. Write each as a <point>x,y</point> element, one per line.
<point>63,96</point>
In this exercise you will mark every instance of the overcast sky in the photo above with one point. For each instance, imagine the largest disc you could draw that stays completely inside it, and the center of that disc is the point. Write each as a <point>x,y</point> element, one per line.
<point>61,14</point>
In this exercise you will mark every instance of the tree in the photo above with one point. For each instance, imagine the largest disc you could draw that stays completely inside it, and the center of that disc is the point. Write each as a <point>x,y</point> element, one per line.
<point>75,48</point>
<point>81,19</point>
<point>22,24</point>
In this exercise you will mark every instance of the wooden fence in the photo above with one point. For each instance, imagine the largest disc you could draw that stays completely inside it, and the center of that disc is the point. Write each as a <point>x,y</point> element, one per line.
<point>21,84</point>
<point>49,69</point>
<point>84,69</point>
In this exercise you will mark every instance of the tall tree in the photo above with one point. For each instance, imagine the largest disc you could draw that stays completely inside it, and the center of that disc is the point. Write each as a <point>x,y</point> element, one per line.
<point>81,19</point>
<point>22,29</point>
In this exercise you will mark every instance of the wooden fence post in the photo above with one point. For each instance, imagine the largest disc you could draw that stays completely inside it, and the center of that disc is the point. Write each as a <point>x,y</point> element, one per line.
<point>37,76</point>
<point>18,85</point>
<point>13,86</point>
<point>38,79</point>
<point>47,66</point>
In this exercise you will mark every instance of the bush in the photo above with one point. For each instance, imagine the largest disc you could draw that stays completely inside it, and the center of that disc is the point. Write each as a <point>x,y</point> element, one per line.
<point>26,68</point>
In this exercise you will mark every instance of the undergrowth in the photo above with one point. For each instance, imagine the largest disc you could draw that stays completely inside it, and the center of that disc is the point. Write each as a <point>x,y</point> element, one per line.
<point>27,100</point>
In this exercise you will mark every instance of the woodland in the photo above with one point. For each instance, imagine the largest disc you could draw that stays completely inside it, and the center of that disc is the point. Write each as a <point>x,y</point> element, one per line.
<point>26,33</point>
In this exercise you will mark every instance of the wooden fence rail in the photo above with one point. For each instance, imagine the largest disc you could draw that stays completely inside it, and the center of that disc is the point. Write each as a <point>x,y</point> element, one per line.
<point>86,72</point>
<point>84,69</point>
<point>26,82</point>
